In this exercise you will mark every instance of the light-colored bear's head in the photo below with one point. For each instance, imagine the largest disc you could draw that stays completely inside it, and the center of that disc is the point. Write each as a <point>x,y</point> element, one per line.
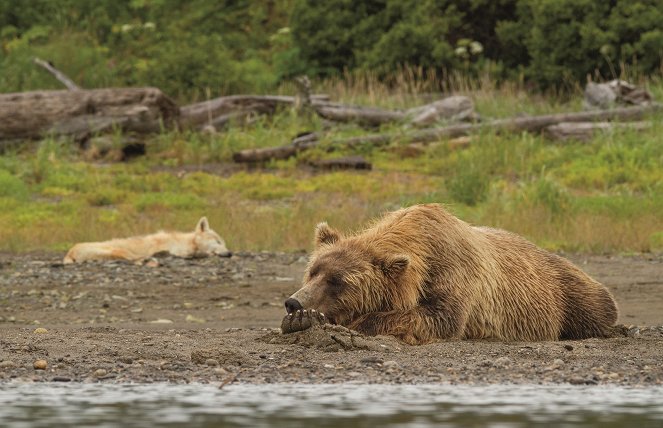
<point>207,242</point>
<point>345,278</point>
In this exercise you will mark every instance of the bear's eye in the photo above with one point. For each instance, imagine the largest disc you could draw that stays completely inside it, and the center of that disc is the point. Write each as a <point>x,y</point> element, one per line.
<point>336,281</point>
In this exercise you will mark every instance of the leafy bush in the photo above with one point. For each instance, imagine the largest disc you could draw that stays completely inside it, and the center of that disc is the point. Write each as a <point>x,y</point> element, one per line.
<point>565,40</point>
<point>197,48</point>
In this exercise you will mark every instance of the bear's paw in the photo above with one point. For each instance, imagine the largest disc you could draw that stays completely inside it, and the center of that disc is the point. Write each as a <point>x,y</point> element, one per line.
<point>302,320</point>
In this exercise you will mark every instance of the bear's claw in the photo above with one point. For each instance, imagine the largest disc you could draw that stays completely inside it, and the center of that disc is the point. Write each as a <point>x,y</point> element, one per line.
<point>302,320</point>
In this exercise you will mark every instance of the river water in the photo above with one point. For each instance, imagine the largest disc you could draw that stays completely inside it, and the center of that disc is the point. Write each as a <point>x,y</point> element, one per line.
<point>344,405</point>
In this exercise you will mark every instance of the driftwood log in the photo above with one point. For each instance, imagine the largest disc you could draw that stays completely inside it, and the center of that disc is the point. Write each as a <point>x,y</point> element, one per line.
<point>454,108</point>
<point>584,131</point>
<point>521,124</point>
<point>347,162</point>
<point>79,113</point>
<point>219,111</point>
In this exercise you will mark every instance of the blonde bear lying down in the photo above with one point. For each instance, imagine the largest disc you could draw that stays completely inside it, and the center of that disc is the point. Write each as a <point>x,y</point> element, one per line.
<point>202,242</point>
<point>421,274</point>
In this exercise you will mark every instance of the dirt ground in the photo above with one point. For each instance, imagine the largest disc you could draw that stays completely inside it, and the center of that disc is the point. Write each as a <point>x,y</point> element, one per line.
<point>217,320</point>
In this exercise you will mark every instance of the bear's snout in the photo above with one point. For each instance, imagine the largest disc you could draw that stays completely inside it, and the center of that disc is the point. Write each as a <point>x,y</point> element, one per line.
<point>293,305</point>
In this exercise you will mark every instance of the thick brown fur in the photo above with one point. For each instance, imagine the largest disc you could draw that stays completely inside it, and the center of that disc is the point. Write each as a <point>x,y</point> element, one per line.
<point>421,274</point>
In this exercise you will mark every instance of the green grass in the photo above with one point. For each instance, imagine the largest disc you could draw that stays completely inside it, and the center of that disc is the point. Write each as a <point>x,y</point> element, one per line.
<point>605,195</point>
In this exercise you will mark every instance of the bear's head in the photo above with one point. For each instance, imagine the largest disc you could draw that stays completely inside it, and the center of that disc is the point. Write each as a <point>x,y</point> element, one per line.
<point>346,278</point>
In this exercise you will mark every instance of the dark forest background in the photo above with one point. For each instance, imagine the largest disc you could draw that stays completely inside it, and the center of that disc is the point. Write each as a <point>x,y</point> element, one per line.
<point>188,47</point>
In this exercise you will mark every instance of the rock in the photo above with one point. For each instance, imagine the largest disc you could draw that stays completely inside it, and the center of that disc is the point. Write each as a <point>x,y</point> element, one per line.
<point>152,262</point>
<point>7,364</point>
<point>502,362</point>
<point>615,92</point>
<point>40,330</point>
<point>61,379</point>
<point>220,371</point>
<point>486,363</point>
<point>599,95</point>
<point>226,357</point>
<point>371,360</point>
<point>633,331</point>
<point>211,362</point>
<point>40,365</point>
<point>577,380</point>
<point>391,364</point>
<point>161,321</point>
<point>568,347</point>
<point>556,365</point>
<point>191,318</point>
<point>126,360</point>
<point>100,373</point>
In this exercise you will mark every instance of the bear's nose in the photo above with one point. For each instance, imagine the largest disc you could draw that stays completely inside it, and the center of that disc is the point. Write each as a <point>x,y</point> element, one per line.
<point>292,305</point>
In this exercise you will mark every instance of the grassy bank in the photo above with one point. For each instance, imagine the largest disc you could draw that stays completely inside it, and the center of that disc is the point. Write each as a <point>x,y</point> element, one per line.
<point>605,195</point>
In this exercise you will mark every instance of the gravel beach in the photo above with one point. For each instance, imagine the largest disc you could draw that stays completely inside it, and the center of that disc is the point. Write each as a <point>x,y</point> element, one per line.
<point>217,321</point>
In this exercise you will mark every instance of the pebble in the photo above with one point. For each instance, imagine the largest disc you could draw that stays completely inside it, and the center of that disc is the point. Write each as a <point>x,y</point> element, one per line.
<point>152,263</point>
<point>191,318</point>
<point>502,362</point>
<point>211,362</point>
<point>633,332</point>
<point>100,373</point>
<point>40,365</point>
<point>7,364</point>
<point>220,371</point>
<point>391,364</point>
<point>568,347</point>
<point>61,379</point>
<point>161,321</point>
<point>40,330</point>
<point>126,360</point>
<point>577,380</point>
<point>371,360</point>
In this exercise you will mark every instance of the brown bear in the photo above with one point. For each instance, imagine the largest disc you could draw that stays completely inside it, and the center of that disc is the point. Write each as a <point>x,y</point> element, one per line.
<point>422,274</point>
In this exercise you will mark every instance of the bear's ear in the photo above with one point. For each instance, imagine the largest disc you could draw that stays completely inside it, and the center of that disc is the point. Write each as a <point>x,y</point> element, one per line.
<point>395,266</point>
<point>203,225</point>
<point>325,235</point>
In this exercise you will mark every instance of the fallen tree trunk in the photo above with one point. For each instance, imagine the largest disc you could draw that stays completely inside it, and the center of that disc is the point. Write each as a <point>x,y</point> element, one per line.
<point>216,112</point>
<point>79,113</point>
<point>362,115</point>
<point>585,131</point>
<point>219,109</point>
<point>453,108</point>
<point>347,162</point>
<point>528,124</point>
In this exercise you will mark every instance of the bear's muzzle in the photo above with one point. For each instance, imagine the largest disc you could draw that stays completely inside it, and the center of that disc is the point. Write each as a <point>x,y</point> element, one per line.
<point>292,305</point>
